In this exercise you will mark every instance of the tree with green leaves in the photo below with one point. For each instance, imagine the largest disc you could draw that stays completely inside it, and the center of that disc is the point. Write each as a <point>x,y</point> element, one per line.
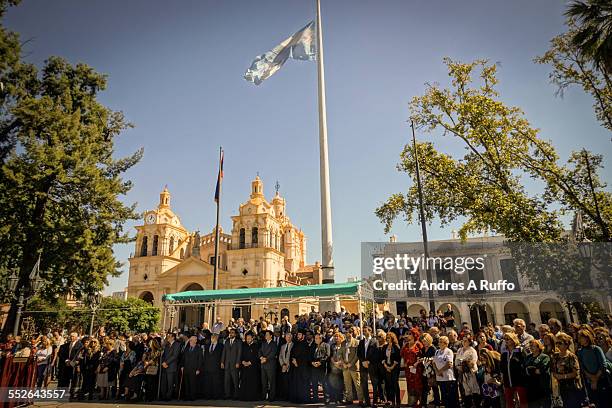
<point>593,34</point>
<point>60,184</point>
<point>485,186</point>
<point>130,315</point>
<point>571,66</point>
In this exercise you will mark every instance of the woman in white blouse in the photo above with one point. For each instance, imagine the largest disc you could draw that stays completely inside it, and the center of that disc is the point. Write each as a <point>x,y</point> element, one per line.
<point>43,357</point>
<point>466,360</point>
<point>445,377</point>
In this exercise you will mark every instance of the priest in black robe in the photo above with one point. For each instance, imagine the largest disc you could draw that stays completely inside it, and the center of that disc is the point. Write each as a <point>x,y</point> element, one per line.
<point>213,373</point>
<point>300,361</point>
<point>191,367</point>
<point>250,375</point>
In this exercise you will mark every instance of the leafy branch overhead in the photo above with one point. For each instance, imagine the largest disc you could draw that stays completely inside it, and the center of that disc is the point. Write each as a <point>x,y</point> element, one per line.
<point>484,187</point>
<point>572,67</point>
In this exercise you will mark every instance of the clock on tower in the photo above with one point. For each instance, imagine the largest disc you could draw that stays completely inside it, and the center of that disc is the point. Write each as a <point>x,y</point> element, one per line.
<point>150,218</point>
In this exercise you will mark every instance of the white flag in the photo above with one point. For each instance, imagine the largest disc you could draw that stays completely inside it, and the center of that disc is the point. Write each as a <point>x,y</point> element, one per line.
<point>300,46</point>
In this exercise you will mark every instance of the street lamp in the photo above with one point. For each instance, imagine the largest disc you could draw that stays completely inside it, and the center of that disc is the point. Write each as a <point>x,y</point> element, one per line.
<point>24,293</point>
<point>13,281</point>
<point>172,310</point>
<point>94,300</point>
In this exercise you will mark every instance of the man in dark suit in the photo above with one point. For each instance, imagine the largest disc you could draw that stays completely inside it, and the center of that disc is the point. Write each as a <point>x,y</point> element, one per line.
<point>213,374</point>
<point>71,361</point>
<point>268,354</point>
<point>367,352</point>
<point>170,360</point>
<point>400,331</point>
<point>278,339</point>
<point>230,362</point>
<point>191,367</point>
<point>63,374</point>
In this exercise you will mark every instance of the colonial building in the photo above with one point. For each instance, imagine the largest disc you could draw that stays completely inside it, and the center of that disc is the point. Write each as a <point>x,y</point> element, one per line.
<point>480,305</point>
<point>263,249</point>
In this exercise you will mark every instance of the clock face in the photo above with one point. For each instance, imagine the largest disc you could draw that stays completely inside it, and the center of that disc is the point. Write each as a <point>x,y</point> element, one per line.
<point>150,219</point>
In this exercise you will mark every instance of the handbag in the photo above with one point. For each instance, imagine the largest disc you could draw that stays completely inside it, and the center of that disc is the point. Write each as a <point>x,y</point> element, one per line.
<point>151,370</point>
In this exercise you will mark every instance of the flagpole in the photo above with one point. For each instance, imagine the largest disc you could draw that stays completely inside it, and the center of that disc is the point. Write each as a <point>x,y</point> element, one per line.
<point>216,265</point>
<point>326,224</point>
<point>432,305</point>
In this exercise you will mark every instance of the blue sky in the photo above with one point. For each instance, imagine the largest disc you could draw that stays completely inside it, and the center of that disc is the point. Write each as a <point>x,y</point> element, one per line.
<point>175,69</point>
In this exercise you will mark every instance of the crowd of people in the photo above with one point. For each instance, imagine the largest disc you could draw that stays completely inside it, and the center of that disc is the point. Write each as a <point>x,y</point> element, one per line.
<point>335,358</point>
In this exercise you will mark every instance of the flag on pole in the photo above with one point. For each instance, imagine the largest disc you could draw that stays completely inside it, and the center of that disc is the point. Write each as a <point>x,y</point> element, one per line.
<point>219,178</point>
<point>300,46</point>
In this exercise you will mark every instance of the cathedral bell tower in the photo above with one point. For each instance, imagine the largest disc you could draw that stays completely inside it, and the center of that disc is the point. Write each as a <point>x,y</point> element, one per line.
<point>257,188</point>
<point>164,198</point>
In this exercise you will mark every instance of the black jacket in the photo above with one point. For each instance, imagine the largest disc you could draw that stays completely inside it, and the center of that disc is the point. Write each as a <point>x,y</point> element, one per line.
<point>512,368</point>
<point>370,357</point>
<point>212,360</point>
<point>270,352</point>
<point>171,356</point>
<point>192,359</point>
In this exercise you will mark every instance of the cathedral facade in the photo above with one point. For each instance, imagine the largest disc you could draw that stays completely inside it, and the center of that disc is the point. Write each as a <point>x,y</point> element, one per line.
<point>263,249</point>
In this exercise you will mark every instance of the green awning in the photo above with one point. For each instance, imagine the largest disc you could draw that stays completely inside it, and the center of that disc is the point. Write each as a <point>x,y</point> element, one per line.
<point>324,290</point>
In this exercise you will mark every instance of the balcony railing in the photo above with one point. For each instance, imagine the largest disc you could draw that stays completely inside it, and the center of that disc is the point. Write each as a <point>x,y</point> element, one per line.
<point>234,246</point>
<point>245,245</point>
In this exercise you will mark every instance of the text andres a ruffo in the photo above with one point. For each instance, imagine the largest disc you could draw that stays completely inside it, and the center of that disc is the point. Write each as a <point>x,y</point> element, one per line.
<point>403,285</point>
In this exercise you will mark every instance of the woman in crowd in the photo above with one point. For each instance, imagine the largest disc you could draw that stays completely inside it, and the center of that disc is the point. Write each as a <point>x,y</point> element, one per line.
<point>107,371</point>
<point>593,363</point>
<point>126,364</point>
<point>490,378</point>
<point>514,376</point>
<point>566,370</point>
<point>572,329</point>
<point>537,367</point>
<point>320,357</point>
<point>134,380</point>
<point>44,353</point>
<point>482,342</point>
<point>152,369</point>
<point>88,367</point>
<point>391,365</point>
<point>335,381</point>
<point>429,374</point>
<point>467,361</point>
<point>411,353</point>
<point>491,338</point>
<point>548,341</point>
<point>543,329</point>
<point>443,362</point>
<point>604,341</point>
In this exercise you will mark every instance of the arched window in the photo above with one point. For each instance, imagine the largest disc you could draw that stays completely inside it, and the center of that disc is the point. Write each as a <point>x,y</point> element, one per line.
<point>254,236</point>
<point>272,240</point>
<point>147,297</point>
<point>144,246</point>
<point>182,253</point>
<point>155,242</point>
<point>282,243</point>
<point>171,247</point>
<point>242,242</point>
